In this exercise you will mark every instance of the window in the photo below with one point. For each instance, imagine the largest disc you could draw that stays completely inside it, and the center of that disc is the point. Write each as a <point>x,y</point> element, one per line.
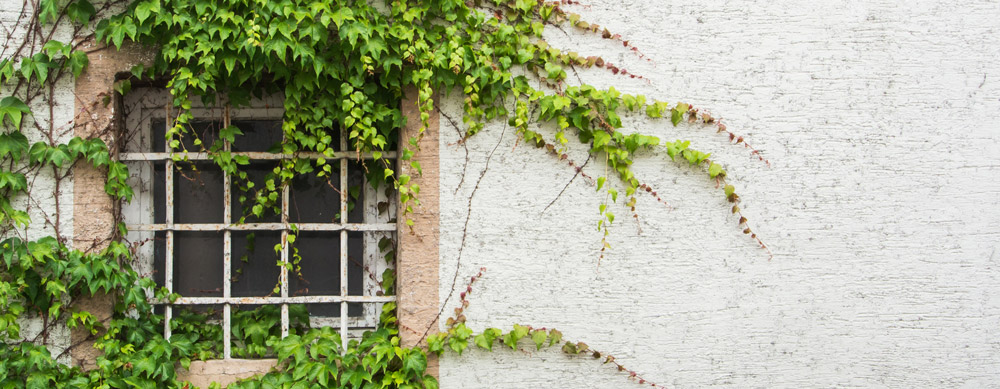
<point>185,221</point>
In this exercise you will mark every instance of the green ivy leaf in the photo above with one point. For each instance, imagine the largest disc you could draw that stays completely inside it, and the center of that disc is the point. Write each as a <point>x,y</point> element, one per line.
<point>458,345</point>
<point>48,11</point>
<point>13,108</point>
<point>430,382</point>
<point>715,170</point>
<point>14,144</point>
<point>485,339</point>
<point>145,8</point>
<point>514,336</point>
<point>38,152</point>
<point>80,11</point>
<point>555,336</point>
<point>435,343</point>
<point>539,337</point>
<point>656,109</point>
<point>415,362</point>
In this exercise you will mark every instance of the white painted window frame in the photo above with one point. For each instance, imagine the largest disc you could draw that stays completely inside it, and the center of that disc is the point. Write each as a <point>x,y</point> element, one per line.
<point>143,105</point>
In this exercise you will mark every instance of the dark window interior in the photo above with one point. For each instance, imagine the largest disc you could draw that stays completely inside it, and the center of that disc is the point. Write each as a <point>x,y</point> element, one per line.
<point>199,198</point>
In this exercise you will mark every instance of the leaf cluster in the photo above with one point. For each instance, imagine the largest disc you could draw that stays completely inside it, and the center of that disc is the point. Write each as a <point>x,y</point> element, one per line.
<point>342,67</point>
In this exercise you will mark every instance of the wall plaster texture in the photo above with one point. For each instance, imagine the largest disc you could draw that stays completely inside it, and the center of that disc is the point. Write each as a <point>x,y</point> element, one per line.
<point>880,120</point>
<point>44,192</point>
<point>881,206</point>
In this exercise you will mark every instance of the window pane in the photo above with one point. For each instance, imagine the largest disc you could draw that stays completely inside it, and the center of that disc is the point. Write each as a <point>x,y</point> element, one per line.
<point>314,199</point>
<point>355,263</point>
<point>159,192</point>
<point>257,172</point>
<point>320,265</point>
<point>258,135</point>
<point>198,263</point>
<point>356,192</point>
<point>159,253</point>
<point>377,253</point>
<point>198,193</point>
<point>254,269</point>
<point>206,130</point>
<point>159,127</point>
<point>328,315</point>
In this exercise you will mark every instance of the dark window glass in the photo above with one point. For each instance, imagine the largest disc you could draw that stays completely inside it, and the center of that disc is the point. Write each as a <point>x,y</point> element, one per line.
<point>258,135</point>
<point>198,263</point>
<point>315,200</point>
<point>333,310</point>
<point>206,130</point>
<point>159,254</point>
<point>356,192</point>
<point>198,193</point>
<point>257,172</point>
<point>320,275</point>
<point>198,266</point>
<point>159,127</point>
<point>355,263</point>
<point>320,264</point>
<point>159,192</point>
<point>254,266</point>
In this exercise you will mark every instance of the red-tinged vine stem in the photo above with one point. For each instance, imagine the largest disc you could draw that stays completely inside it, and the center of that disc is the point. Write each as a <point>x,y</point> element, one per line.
<point>696,115</point>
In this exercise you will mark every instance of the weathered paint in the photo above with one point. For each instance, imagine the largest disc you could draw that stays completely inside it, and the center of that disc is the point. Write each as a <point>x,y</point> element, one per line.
<point>260,155</point>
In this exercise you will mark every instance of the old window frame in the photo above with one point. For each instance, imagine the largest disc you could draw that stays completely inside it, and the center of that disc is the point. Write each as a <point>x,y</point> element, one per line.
<point>139,220</point>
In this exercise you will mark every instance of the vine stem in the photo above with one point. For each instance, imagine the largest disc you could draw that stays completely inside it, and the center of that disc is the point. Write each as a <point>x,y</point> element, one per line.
<point>461,141</point>
<point>465,233</point>
<point>575,175</point>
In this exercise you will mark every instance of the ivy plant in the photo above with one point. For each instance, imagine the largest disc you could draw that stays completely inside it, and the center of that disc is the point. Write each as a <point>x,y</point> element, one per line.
<point>340,66</point>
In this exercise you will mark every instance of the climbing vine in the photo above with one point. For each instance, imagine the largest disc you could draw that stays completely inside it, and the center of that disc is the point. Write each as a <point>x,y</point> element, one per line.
<point>338,65</point>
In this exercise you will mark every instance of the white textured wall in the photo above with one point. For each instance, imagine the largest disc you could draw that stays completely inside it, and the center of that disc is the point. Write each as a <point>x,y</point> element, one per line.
<point>882,207</point>
<point>44,196</point>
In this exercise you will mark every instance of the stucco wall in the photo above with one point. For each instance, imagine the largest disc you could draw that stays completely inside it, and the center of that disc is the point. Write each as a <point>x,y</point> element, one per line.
<point>44,192</point>
<point>881,122</point>
<point>881,207</point>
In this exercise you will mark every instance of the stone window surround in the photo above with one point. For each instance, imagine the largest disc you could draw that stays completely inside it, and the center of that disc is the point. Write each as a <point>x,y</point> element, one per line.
<point>94,224</point>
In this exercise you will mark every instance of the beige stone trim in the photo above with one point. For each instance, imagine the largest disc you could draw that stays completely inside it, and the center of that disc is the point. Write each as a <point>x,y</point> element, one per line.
<point>417,259</point>
<point>93,223</point>
<point>203,373</point>
<point>94,115</point>
<point>93,209</point>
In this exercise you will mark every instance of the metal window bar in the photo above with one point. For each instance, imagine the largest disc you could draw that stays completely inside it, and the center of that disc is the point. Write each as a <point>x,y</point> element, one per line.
<point>385,227</point>
<point>284,261</point>
<point>168,268</point>
<point>255,155</point>
<point>344,189</point>
<point>227,254</point>
<point>169,227</point>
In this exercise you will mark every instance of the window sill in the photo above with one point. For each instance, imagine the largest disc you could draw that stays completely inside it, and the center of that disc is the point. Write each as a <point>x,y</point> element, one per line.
<point>224,371</point>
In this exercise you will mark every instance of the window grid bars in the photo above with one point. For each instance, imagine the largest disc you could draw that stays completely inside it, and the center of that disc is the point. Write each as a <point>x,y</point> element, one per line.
<point>284,262</point>
<point>227,256</point>
<point>255,155</point>
<point>344,189</point>
<point>380,227</point>
<point>168,271</point>
<point>227,227</point>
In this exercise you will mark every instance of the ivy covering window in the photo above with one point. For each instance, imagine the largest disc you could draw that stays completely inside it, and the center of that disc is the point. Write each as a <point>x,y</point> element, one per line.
<point>318,255</point>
